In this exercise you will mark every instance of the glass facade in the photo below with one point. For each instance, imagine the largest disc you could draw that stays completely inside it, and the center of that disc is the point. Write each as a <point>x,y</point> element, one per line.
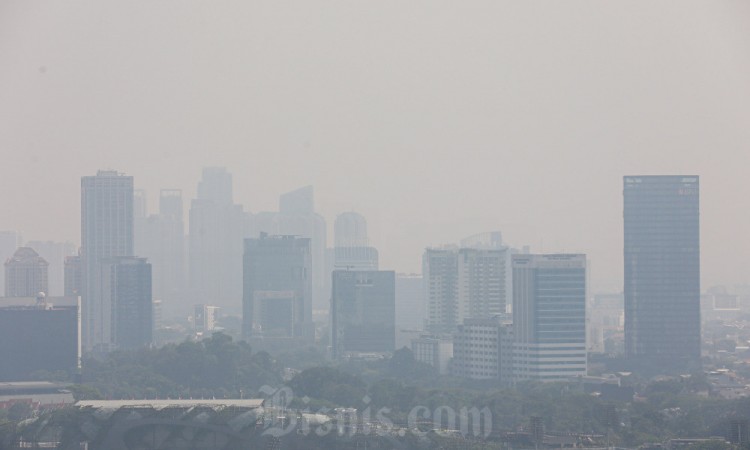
<point>662,268</point>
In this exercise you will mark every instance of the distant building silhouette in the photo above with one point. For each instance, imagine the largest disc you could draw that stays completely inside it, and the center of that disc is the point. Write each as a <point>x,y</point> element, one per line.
<point>549,317</point>
<point>363,312</point>
<point>54,253</point>
<point>106,232</point>
<point>26,274</point>
<point>351,245</point>
<point>297,217</point>
<point>277,298</point>
<point>73,276</point>
<point>126,286</point>
<point>161,238</point>
<point>350,230</point>
<point>204,318</point>
<point>9,242</point>
<point>215,242</point>
<point>662,271</point>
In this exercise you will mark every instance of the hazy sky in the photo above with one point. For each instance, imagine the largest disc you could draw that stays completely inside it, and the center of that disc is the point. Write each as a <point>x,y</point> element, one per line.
<point>435,119</point>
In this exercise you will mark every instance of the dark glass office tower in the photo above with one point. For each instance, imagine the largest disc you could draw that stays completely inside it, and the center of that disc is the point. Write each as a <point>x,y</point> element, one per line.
<point>363,312</point>
<point>277,300</point>
<point>662,271</point>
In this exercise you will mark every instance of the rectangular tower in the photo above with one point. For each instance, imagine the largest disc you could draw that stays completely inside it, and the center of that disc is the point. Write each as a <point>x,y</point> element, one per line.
<point>126,293</point>
<point>363,312</point>
<point>277,292</point>
<point>549,316</point>
<point>662,270</point>
<point>106,232</point>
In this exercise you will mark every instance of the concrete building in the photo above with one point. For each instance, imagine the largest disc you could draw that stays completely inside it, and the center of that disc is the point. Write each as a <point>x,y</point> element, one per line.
<point>436,351</point>
<point>215,242</point>
<point>277,298</point>
<point>440,288</point>
<point>549,317</point>
<point>38,334</point>
<point>363,312</point>
<point>482,349</point>
<point>204,318</point>
<point>127,303</point>
<point>662,271</point>
<point>464,283</point>
<point>26,274</point>
<point>106,232</point>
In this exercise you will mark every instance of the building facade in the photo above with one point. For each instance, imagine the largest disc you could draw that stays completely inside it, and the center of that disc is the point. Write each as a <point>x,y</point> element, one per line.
<point>215,242</point>
<point>363,312</point>
<point>38,335</point>
<point>662,270</point>
<point>277,297</point>
<point>54,253</point>
<point>464,283</point>
<point>549,317</point>
<point>26,274</point>
<point>436,351</point>
<point>106,232</point>
<point>482,349</point>
<point>126,287</point>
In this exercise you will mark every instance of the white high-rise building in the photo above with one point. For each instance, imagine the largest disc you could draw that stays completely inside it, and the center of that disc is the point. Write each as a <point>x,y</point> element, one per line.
<point>106,232</point>
<point>465,283</point>
<point>549,317</point>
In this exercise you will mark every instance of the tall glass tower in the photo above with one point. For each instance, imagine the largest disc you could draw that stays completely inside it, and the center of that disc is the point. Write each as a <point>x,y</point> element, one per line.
<point>106,232</point>
<point>662,270</point>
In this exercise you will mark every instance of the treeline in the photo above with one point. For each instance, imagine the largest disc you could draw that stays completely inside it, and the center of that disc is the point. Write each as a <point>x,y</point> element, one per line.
<point>219,367</point>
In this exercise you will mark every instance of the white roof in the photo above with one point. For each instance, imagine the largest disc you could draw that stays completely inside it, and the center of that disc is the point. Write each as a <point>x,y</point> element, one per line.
<point>161,403</point>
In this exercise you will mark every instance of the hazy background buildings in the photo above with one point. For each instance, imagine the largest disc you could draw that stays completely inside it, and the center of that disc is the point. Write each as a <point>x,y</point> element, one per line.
<point>432,119</point>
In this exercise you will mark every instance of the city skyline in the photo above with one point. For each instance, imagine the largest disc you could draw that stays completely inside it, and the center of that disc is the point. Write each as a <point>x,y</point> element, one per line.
<point>434,122</point>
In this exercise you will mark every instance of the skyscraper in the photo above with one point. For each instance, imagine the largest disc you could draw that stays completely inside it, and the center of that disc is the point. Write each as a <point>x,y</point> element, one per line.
<point>106,232</point>
<point>161,239</point>
<point>440,278</point>
<point>363,312</point>
<point>351,245</point>
<point>350,230</point>
<point>297,217</point>
<point>277,298</point>
<point>549,317</point>
<point>662,270</point>
<point>26,274</point>
<point>126,292</point>
<point>215,243</point>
